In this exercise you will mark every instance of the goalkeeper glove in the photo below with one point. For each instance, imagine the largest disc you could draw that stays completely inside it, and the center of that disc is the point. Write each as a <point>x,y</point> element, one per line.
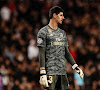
<point>78,70</point>
<point>43,78</point>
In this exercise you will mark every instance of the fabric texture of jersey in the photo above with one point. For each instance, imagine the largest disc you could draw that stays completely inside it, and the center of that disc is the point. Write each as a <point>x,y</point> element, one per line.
<point>55,42</point>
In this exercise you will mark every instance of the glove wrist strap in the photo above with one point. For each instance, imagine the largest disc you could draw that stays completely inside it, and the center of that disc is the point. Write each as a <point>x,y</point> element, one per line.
<point>42,72</point>
<point>74,66</point>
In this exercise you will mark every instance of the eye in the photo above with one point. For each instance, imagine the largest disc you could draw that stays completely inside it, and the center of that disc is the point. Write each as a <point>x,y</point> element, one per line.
<point>61,15</point>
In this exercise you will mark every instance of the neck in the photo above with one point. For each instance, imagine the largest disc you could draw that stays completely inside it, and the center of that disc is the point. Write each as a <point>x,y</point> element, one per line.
<point>53,24</point>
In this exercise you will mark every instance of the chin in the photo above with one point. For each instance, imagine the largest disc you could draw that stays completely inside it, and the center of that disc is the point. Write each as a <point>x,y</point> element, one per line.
<point>60,23</point>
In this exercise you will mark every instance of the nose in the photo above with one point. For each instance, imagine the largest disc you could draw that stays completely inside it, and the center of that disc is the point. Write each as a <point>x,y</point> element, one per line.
<point>63,17</point>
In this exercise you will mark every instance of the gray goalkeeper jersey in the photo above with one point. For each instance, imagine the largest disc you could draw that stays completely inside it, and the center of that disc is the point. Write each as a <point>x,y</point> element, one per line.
<point>55,42</point>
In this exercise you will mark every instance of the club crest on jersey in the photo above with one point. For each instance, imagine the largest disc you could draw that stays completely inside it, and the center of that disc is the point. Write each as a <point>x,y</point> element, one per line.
<point>50,32</point>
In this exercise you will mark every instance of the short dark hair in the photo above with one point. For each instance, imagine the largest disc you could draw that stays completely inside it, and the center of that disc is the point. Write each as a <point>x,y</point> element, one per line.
<point>55,9</point>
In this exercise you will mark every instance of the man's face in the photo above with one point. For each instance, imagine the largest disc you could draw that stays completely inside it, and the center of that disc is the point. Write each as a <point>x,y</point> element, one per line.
<point>60,18</point>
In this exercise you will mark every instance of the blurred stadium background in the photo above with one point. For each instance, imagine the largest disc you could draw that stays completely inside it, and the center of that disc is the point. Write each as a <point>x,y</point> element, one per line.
<point>20,21</point>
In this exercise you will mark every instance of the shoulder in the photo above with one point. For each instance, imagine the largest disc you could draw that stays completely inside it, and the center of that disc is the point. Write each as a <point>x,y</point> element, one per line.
<point>43,30</point>
<point>62,31</point>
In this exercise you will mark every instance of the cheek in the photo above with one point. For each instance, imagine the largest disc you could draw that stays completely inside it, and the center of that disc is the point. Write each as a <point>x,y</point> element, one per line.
<point>58,17</point>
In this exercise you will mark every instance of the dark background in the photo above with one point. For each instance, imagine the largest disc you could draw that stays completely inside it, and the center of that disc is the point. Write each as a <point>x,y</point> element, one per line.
<point>20,21</point>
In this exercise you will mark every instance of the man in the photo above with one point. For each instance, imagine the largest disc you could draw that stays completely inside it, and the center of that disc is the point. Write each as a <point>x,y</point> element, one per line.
<point>53,48</point>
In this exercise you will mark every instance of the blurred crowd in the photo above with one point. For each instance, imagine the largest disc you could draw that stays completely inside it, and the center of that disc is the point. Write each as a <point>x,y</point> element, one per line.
<point>20,21</point>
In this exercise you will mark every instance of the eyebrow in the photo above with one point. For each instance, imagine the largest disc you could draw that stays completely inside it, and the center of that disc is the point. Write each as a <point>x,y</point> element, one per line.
<point>61,14</point>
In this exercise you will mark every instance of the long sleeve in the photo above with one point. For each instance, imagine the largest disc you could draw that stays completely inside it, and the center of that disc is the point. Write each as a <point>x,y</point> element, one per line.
<point>41,43</point>
<point>42,56</point>
<point>69,57</point>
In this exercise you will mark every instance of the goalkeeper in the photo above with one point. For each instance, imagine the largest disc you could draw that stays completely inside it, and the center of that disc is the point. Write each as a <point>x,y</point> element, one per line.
<point>53,49</point>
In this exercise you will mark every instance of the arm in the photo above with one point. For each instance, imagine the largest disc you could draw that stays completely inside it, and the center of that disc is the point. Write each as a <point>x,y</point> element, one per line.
<point>72,62</point>
<point>68,56</point>
<point>41,43</point>
<point>43,77</point>
<point>42,58</point>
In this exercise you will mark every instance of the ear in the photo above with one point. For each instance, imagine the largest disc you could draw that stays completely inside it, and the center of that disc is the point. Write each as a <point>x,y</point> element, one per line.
<point>54,15</point>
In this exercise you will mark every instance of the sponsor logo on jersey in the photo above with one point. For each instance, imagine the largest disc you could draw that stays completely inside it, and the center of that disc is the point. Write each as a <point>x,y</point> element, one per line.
<point>57,43</point>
